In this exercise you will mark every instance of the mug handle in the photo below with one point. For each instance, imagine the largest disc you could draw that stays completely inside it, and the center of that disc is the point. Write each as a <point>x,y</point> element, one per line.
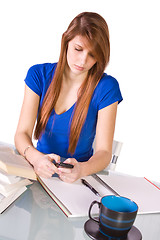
<point>94,202</point>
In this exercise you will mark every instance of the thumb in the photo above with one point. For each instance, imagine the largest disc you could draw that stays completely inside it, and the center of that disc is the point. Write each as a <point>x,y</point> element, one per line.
<point>71,160</point>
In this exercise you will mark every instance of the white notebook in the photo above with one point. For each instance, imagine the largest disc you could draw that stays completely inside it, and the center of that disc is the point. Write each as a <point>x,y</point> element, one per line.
<point>139,189</point>
<point>74,199</point>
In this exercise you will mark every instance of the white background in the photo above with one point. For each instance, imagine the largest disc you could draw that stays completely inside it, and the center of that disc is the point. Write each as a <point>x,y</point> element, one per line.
<point>30,33</point>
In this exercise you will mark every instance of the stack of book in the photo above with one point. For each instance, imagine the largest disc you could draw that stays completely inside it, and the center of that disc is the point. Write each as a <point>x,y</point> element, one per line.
<point>11,187</point>
<point>15,173</point>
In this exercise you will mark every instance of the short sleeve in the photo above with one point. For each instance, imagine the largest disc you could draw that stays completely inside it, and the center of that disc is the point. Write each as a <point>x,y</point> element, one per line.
<point>108,92</point>
<point>34,79</point>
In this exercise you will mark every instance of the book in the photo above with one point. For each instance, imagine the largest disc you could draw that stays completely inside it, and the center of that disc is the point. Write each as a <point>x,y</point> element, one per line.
<point>7,178</point>
<point>11,187</point>
<point>75,199</point>
<point>8,189</point>
<point>15,164</point>
<point>139,189</point>
<point>5,202</point>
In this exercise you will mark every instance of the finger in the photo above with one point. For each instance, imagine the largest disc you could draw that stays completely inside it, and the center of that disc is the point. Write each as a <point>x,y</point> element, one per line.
<point>45,174</point>
<point>53,156</point>
<point>52,168</point>
<point>71,161</point>
<point>46,171</point>
<point>64,170</point>
<point>66,179</point>
<point>63,177</point>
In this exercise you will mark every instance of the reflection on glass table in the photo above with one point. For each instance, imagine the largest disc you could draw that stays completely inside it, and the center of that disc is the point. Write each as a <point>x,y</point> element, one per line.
<point>35,216</point>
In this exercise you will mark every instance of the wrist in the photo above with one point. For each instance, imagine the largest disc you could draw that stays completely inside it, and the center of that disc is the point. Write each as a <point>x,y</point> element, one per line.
<point>84,169</point>
<point>25,150</point>
<point>31,154</point>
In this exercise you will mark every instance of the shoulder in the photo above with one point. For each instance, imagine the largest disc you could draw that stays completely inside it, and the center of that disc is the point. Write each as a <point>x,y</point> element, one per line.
<point>108,82</point>
<point>39,76</point>
<point>42,69</point>
<point>107,91</point>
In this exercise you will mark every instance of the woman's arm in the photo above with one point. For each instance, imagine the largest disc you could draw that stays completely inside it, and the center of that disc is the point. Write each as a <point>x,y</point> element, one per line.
<point>23,136</point>
<point>103,148</point>
<point>104,139</point>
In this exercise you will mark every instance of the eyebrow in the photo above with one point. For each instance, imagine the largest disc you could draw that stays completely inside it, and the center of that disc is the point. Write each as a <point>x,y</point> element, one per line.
<point>78,45</point>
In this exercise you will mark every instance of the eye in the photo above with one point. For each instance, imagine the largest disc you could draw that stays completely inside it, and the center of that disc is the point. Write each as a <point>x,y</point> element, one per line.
<point>78,49</point>
<point>91,55</point>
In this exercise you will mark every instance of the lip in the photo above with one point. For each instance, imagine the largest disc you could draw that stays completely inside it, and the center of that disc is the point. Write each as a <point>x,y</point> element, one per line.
<point>78,67</point>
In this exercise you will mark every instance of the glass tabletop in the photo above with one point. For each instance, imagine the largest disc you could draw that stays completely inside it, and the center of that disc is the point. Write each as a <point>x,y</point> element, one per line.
<point>34,215</point>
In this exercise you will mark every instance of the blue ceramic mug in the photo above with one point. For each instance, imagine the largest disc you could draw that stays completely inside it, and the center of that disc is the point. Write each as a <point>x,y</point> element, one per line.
<point>116,215</point>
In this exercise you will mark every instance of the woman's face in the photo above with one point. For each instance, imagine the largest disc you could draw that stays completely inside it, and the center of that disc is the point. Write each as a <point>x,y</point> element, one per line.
<point>79,56</point>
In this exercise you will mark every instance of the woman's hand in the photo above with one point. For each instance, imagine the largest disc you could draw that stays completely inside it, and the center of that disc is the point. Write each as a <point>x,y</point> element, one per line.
<point>70,175</point>
<point>44,167</point>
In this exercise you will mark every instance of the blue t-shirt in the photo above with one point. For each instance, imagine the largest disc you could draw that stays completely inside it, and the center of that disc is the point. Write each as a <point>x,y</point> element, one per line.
<point>55,138</point>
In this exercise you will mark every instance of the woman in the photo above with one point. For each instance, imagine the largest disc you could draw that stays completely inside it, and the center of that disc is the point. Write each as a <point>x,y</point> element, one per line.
<point>75,101</point>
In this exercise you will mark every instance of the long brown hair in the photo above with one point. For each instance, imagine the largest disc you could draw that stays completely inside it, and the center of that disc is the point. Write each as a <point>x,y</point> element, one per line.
<point>95,29</point>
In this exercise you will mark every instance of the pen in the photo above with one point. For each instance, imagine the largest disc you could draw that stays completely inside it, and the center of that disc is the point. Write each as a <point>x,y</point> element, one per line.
<point>104,184</point>
<point>90,187</point>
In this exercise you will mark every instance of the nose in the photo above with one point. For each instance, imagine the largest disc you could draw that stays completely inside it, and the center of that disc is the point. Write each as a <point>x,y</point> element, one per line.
<point>83,59</point>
